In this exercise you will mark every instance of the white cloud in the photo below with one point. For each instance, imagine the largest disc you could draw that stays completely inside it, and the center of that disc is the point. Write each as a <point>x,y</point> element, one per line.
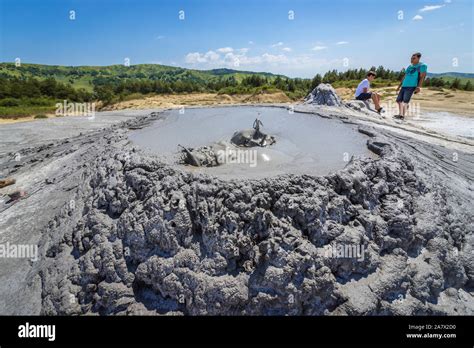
<point>271,58</point>
<point>211,56</point>
<point>417,18</point>
<point>251,42</point>
<point>225,50</point>
<point>431,8</point>
<point>196,57</point>
<point>286,49</point>
<point>212,59</point>
<point>319,48</point>
<point>160,37</point>
<point>265,58</point>
<point>342,43</point>
<point>278,44</point>
<point>230,59</point>
<point>447,1</point>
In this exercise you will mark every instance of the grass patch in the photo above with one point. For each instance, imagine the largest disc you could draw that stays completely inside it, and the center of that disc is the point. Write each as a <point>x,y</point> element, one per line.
<point>24,111</point>
<point>24,107</point>
<point>41,116</point>
<point>231,90</point>
<point>297,95</point>
<point>135,96</point>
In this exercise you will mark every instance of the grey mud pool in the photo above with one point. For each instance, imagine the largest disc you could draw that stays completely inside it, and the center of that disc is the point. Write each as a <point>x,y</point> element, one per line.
<point>305,144</point>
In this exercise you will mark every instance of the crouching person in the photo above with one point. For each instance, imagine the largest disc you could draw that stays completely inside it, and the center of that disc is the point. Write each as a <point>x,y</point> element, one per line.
<point>363,91</point>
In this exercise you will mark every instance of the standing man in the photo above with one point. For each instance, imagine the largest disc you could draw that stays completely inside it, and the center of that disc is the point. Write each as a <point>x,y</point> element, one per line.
<point>411,83</point>
<point>363,93</point>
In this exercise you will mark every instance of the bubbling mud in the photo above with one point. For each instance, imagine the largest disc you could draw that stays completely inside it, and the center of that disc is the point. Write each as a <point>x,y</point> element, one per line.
<point>304,144</point>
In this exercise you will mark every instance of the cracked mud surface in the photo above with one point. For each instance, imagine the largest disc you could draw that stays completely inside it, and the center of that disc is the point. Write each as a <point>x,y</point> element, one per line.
<point>131,235</point>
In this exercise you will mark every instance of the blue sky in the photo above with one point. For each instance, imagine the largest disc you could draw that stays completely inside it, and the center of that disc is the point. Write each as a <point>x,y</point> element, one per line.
<point>259,35</point>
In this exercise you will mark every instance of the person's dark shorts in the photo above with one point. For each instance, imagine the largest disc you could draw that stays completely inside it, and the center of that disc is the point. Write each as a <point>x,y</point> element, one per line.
<point>405,94</point>
<point>364,96</point>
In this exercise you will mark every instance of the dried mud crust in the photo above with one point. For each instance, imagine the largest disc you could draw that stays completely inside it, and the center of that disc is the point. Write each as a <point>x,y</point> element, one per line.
<point>144,238</point>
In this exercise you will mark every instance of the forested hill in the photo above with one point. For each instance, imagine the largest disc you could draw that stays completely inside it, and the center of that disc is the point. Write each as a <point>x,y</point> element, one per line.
<point>89,76</point>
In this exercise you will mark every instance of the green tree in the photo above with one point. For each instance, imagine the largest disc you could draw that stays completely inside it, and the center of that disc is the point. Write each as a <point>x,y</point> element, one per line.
<point>317,79</point>
<point>456,84</point>
<point>468,86</point>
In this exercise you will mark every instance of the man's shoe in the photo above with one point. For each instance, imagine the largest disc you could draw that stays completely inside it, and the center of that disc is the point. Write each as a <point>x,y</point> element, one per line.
<point>399,117</point>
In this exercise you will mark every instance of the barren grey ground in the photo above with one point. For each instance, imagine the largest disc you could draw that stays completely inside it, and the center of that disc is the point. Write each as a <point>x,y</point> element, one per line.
<point>122,233</point>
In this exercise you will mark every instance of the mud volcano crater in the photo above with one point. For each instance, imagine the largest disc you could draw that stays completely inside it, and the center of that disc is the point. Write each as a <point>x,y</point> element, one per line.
<point>148,237</point>
<point>221,141</point>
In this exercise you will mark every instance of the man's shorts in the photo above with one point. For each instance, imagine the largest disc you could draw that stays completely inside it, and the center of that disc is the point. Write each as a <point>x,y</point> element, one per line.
<point>364,96</point>
<point>405,94</point>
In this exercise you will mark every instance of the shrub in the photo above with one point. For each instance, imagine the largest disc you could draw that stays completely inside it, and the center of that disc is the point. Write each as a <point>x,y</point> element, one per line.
<point>9,102</point>
<point>38,102</point>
